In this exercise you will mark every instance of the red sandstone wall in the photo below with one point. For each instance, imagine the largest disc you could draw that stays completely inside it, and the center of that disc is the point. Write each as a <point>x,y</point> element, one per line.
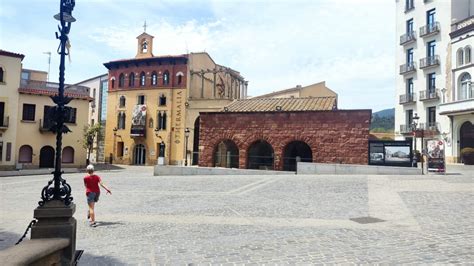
<point>334,136</point>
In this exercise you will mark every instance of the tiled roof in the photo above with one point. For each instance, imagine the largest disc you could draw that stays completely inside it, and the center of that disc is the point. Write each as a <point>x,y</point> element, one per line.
<point>51,93</point>
<point>282,104</point>
<point>7,53</point>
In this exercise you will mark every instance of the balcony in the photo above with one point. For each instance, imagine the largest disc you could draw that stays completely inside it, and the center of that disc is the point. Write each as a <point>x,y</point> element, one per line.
<point>4,123</point>
<point>460,107</point>
<point>408,38</point>
<point>45,125</point>
<point>406,129</point>
<point>137,131</point>
<point>429,29</point>
<point>407,68</point>
<point>430,126</point>
<point>409,6</point>
<point>429,95</point>
<point>430,61</point>
<point>408,98</point>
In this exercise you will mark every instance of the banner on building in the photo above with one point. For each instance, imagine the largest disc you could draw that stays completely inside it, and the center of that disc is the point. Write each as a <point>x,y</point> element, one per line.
<point>138,121</point>
<point>435,154</point>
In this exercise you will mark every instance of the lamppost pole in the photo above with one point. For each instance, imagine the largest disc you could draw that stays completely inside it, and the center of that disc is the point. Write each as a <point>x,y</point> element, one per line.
<point>60,112</point>
<point>415,130</point>
<point>186,134</point>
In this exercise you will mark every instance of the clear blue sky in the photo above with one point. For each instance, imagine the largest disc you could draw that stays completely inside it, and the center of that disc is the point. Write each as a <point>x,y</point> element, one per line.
<point>274,44</point>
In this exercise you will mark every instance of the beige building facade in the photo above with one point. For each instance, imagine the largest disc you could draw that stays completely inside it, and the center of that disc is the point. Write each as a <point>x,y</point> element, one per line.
<point>153,104</point>
<point>10,70</point>
<point>314,90</point>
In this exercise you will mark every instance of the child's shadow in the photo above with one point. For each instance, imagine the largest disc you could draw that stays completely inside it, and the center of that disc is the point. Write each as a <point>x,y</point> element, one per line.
<point>107,223</point>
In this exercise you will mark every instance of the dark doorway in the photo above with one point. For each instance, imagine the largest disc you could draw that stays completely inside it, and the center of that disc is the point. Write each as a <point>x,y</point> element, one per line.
<point>46,157</point>
<point>260,155</point>
<point>196,142</point>
<point>3,121</point>
<point>226,155</point>
<point>296,151</point>
<point>466,135</point>
<point>139,154</point>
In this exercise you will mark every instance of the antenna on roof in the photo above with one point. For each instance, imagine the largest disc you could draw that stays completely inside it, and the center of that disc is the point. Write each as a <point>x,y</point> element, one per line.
<point>49,63</point>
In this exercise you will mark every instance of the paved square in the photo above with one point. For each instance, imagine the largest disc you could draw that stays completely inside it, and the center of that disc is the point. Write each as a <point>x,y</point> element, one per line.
<point>261,219</point>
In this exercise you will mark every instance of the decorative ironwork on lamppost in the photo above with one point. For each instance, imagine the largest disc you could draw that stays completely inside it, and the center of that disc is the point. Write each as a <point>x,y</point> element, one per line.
<point>421,130</point>
<point>58,115</point>
<point>186,134</point>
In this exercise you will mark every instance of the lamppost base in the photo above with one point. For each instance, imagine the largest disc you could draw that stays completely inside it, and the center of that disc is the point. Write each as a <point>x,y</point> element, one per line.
<point>55,220</point>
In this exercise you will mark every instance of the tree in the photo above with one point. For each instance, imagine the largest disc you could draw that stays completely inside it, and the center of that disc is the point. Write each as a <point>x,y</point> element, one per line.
<point>90,133</point>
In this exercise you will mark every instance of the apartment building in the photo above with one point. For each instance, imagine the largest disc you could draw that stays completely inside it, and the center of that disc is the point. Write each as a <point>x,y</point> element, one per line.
<point>424,63</point>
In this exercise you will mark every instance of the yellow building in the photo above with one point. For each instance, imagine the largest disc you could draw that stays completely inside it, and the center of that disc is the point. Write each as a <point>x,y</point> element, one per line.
<point>10,69</point>
<point>153,104</point>
<point>35,144</point>
<point>313,90</point>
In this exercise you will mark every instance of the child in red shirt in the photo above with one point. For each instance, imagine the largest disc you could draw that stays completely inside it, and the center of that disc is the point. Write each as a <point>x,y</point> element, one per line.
<point>92,182</point>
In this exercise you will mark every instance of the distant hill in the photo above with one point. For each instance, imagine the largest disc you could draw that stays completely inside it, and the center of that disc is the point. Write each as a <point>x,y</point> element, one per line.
<point>383,121</point>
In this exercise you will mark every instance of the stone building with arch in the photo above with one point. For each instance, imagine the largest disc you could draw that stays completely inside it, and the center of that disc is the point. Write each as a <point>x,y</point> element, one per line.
<point>152,100</point>
<point>276,133</point>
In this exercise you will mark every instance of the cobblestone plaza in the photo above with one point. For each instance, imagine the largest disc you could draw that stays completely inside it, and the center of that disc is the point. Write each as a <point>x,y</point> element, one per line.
<point>286,219</point>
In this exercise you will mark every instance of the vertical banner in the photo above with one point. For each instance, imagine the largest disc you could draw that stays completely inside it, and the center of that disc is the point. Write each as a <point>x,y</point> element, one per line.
<point>138,121</point>
<point>435,154</point>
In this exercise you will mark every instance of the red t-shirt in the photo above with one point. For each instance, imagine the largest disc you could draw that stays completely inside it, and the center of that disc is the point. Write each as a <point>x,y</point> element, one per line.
<point>92,183</point>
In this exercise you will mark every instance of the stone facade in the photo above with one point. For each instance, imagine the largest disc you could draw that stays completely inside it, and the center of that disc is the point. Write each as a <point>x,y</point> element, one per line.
<point>339,136</point>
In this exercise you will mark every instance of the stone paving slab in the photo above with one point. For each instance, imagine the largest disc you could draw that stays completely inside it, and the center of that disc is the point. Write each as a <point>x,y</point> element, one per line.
<point>257,220</point>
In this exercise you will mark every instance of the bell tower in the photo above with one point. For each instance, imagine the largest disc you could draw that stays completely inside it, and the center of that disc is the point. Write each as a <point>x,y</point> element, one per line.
<point>144,45</point>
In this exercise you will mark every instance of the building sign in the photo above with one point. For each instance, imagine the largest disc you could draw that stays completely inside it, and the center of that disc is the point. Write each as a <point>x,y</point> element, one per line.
<point>138,121</point>
<point>390,153</point>
<point>435,154</point>
<point>178,117</point>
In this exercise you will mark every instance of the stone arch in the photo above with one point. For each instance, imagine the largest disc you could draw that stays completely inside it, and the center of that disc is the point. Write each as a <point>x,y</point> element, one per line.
<point>47,157</point>
<point>139,154</point>
<point>25,154</point>
<point>260,155</point>
<point>296,151</point>
<point>68,155</point>
<point>226,154</point>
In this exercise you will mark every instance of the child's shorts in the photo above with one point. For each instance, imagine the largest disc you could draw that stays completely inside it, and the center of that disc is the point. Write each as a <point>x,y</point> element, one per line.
<point>92,197</point>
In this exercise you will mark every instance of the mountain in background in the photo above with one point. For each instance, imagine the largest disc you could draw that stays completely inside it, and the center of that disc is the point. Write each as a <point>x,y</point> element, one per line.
<point>383,121</point>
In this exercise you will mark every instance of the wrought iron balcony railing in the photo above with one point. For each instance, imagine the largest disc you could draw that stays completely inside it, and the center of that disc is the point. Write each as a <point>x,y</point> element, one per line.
<point>408,98</point>
<point>429,29</point>
<point>408,68</point>
<point>4,122</point>
<point>429,95</point>
<point>407,38</point>
<point>406,129</point>
<point>429,61</point>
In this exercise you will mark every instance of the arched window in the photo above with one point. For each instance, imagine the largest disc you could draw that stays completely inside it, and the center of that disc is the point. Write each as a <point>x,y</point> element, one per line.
<point>112,83</point>
<point>161,121</point>
<point>466,90</point>
<point>2,79</point>
<point>121,120</point>
<point>162,100</point>
<point>122,101</point>
<point>460,57</point>
<point>121,80</point>
<point>154,78</point>
<point>142,79</point>
<point>144,46</point>
<point>166,77</point>
<point>467,55</point>
<point>68,155</point>
<point>131,80</point>
<point>180,77</point>
<point>25,154</point>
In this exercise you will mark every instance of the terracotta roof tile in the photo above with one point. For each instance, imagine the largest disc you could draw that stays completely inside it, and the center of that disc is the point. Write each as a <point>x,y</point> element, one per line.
<point>286,104</point>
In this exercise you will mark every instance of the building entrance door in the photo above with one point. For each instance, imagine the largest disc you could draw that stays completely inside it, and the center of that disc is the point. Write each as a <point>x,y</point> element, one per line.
<point>46,157</point>
<point>139,154</point>
<point>466,135</point>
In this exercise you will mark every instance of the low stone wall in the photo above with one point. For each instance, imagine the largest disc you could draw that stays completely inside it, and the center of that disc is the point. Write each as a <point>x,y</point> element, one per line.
<point>352,169</point>
<point>47,251</point>
<point>168,170</point>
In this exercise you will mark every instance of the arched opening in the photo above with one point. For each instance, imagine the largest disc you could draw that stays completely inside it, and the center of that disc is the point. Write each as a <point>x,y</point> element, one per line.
<point>460,57</point>
<point>465,88</point>
<point>2,79</point>
<point>142,79</point>
<point>121,80</point>
<point>196,142</point>
<point>260,155</point>
<point>139,154</point>
<point>166,77</point>
<point>25,154</point>
<point>467,55</point>
<point>296,151</point>
<point>46,157</point>
<point>226,154</point>
<point>466,135</point>
<point>131,80</point>
<point>122,101</point>
<point>154,78</point>
<point>68,155</point>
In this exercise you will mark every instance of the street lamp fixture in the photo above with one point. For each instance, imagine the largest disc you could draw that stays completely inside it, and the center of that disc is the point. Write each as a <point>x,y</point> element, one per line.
<point>186,135</point>
<point>60,189</point>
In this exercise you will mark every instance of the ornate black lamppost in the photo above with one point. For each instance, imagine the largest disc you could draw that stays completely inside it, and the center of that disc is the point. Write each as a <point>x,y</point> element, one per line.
<point>415,132</point>
<point>60,190</point>
<point>186,134</point>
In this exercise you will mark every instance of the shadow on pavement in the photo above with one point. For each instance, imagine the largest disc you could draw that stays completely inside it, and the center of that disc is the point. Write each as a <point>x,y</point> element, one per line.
<point>89,259</point>
<point>105,224</point>
<point>8,239</point>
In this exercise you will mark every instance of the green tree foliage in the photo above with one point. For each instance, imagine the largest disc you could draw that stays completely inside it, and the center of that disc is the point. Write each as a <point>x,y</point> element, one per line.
<point>382,124</point>
<point>90,133</point>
